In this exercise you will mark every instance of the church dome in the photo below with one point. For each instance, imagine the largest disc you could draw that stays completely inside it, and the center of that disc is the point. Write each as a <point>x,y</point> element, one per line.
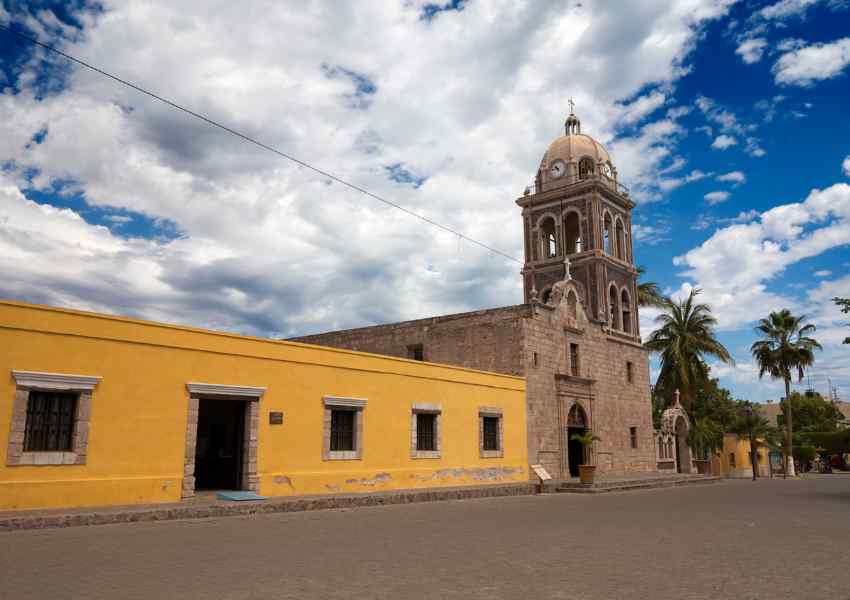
<point>572,147</point>
<point>575,157</point>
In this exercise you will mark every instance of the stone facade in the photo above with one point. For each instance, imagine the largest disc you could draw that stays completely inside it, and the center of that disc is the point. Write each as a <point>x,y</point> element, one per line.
<point>576,338</point>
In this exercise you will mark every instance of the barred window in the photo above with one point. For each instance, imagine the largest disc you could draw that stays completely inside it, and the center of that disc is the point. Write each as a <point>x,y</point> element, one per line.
<point>50,421</point>
<point>426,430</point>
<point>342,430</point>
<point>491,433</point>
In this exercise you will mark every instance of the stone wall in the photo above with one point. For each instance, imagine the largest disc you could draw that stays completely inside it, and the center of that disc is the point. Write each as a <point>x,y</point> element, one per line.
<point>489,340</point>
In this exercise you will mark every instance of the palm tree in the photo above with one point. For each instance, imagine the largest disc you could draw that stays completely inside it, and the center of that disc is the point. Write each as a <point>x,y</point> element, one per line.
<point>685,337</point>
<point>786,346</point>
<point>648,292</point>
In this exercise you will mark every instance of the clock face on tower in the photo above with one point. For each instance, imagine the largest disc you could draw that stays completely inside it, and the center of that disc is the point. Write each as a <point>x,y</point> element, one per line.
<point>557,169</point>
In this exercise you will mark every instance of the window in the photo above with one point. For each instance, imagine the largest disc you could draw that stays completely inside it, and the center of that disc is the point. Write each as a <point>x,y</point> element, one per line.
<point>534,359</point>
<point>629,372</point>
<point>490,432</point>
<point>572,233</point>
<point>633,436</point>
<point>416,352</point>
<point>621,240</point>
<point>626,311</point>
<point>612,306</point>
<point>342,430</point>
<point>585,168</point>
<point>548,235</point>
<point>574,360</point>
<point>50,419</point>
<point>732,459</point>
<point>426,432</point>
<point>606,234</point>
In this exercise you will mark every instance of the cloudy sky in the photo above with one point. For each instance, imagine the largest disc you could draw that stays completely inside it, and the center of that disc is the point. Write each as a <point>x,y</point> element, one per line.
<point>729,120</point>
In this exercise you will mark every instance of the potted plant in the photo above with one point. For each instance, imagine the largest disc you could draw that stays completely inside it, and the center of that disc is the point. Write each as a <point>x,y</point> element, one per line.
<point>706,439</point>
<point>586,472</point>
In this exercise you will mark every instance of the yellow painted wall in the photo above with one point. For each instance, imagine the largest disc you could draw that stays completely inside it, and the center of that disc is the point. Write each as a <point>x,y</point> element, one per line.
<point>722,463</point>
<point>139,410</point>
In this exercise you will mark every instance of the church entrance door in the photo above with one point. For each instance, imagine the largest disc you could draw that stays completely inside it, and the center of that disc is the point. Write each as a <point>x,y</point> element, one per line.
<point>576,423</point>
<point>575,451</point>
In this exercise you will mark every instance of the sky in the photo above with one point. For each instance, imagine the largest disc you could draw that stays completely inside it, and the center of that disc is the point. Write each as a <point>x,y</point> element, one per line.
<point>729,121</point>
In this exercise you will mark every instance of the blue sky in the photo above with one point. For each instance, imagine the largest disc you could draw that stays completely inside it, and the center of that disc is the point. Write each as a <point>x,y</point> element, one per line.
<point>728,120</point>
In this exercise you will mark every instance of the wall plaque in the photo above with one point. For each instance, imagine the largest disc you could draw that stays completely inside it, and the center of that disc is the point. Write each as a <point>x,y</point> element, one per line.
<point>275,418</point>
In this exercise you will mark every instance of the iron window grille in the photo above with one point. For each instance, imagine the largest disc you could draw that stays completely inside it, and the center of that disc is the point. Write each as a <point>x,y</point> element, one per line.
<point>426,432</point>
<point>50,422</point>
<point>342,430</point>
<point>490,426</point>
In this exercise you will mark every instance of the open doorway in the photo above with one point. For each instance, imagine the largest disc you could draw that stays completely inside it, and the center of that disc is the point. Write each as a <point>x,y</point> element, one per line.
<point>220,444</point>
<point>576,423</point>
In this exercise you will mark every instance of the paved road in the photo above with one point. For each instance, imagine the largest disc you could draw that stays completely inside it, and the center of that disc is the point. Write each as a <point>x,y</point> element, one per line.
<point>737,539</point>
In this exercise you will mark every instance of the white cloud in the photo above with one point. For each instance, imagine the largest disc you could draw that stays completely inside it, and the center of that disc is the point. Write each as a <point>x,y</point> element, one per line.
<point>672,183</point>
<point>738,269</point>
<point>845,166</point>
<point>716,197</point>
<point>643,106</point>
<point>735,265</point>
<point>721,142</point>
<point>822,273</point>
<point>736,177</point>
<point>751,50</point>
<point>269,248</point>
<point>786,8</point>
<point>805,66</point>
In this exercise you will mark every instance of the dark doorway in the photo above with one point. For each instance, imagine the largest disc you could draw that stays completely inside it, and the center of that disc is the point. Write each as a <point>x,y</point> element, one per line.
<point>218,452</point>
<point>575,451</point>
<point>576,423</point>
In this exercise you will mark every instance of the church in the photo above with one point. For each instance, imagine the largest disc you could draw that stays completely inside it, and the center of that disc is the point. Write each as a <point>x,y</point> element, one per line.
<point>576,337</point>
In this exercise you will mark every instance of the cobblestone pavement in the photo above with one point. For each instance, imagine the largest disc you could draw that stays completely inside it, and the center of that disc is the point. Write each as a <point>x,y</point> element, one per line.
<point>736,539</point>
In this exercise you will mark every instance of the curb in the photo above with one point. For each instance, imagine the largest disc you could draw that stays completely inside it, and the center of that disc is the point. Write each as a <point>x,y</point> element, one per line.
<point>172,512</point>
<point>628,487</point>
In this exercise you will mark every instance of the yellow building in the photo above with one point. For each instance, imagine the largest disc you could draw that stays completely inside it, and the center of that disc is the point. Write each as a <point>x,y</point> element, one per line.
<point>106,410</point>
<point>734,461</point>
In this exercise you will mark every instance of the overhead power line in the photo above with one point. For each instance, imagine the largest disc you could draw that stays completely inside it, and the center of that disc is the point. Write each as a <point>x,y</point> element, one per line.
<point>258,143</point>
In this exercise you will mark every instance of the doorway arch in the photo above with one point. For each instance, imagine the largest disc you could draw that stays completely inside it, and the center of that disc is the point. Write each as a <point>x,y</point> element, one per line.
<point>576,423</point>
<point>683,451</point>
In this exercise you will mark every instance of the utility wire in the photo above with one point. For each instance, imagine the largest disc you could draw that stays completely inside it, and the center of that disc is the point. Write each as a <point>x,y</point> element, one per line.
<point>255,142</point>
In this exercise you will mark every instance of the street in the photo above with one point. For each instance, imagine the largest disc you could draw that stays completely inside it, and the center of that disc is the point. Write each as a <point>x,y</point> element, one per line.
<point>735,539</point>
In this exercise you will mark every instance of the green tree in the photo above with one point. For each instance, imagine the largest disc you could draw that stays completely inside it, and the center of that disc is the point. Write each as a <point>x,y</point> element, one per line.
<point>811,412</point>
<point>705,437</point>
<point>714,403</point>
<point>750,425</point>
<point>785,347</point>
<point>843,304</point>
<point>648,292</point>
<point>685,337</point>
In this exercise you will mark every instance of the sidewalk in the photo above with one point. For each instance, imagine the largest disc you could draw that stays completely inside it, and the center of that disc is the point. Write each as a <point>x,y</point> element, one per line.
<point>205,505</point>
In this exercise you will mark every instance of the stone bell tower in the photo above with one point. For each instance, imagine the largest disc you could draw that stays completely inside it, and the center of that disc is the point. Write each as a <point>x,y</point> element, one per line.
<point>577,216</point>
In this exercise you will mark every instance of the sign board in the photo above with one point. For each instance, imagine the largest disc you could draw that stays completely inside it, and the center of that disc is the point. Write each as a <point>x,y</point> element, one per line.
<point>275,418</point>
<point>541,472</point>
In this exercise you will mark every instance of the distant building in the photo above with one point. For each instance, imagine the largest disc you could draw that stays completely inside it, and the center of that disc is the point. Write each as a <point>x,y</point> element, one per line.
<point>773,410</point>
<point>576,338</point>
